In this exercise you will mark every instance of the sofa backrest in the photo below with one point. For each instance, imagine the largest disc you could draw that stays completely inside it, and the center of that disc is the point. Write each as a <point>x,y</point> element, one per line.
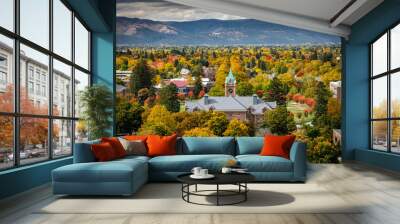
<point>249,145</point>
<point>207,145</point>
<point>83,152</point>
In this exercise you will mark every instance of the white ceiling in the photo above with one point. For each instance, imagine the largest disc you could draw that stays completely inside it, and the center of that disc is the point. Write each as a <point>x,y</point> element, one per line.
<point>315,15</point>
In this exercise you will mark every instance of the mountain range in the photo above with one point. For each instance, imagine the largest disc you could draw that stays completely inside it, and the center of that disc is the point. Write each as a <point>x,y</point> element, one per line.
<point>213,32</point>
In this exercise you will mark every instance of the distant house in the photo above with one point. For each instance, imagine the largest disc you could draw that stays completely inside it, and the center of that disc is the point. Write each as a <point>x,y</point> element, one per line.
<point>181,83</point>
<point>185,72</point>
<point>245,108</point>
<point>336,89</point>
<point>123,75</point>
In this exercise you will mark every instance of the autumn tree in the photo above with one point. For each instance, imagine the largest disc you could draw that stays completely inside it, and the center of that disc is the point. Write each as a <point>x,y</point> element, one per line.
<point>159,121</point>
<point>236,128</point>
<point>169,98</point>
<point>198,86</point>
<point>199,132</point>
<point>279,121</point>
<point>244,89</point>
<point>218,123</point>
<point>322,95</point>
<point>128,116</point>
<point>141,77</point>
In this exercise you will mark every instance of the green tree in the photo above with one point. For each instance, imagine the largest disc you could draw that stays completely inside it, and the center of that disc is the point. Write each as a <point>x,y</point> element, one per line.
<point>141,77</point>
<point>218,123</point>
<point>128,116</point>
<point>279,120</point>
<point>276,91</point>
<point>244,89</point>
<point>198,86</point>
<point>169,98</point>
<point>96,102</point>
<point>322,95</point>
<point>236,128</point>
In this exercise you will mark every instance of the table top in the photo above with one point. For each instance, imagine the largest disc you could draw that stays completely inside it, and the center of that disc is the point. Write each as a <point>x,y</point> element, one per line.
<point>220,178</point>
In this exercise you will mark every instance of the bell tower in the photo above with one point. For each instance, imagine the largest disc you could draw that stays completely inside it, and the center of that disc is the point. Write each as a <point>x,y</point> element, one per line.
<point>230,84</point>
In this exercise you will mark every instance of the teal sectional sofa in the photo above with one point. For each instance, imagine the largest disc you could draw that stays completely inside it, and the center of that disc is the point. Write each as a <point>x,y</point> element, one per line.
<point>125,176</point>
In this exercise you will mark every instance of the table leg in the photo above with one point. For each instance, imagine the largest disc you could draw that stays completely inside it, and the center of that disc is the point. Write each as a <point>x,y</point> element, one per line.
<point>217,194</point>
<point>195,188</point>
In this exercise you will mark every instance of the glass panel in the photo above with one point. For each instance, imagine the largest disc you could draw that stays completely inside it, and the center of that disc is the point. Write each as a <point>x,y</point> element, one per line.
<point>6,142</point>
<point>62,29</point>
<point>7,14</point>
<point>379,97</point>
<point>395,47</point>
<point>395,136</point>
<point>6,74</point>
<point>33,140</point>
<point>62,138</point>
<point>81,82</point>
<point>34,97</point>
<point>379,135</point>
<point>81,131</point>
<point>81,45</point>
<point>379,55</point>
<point>395,94</point>
<point>62,89</point>
<point>35,21</point>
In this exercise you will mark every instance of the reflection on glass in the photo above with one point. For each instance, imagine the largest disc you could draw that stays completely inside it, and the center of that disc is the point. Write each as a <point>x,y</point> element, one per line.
<point>6,75</point>
<point>62,29</point>
<point>81,45</point>
<point>395,138</point>
<point>7,14</point>
<point>34,21</point>
<point>395,94</point>
<point>379,135</point>
<point>62,138</point>
<point>81,82</point>
<point>33,139</point>
<point>34,96</point>
<point>395,47</point>
<point>6,142</point>
<point>379,55</point>
<point>379,97</point>
<point>62,89</point>
<point>81,131</point>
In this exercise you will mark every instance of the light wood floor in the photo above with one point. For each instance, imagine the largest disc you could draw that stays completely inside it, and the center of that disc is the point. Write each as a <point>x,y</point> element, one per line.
<point>378,189</point>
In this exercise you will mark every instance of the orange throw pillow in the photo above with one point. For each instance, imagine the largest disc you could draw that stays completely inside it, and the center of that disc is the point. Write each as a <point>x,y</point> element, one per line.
<point>277,145</point>
<point>161,145</point>
<point>116,145</point>
<point>135,138</point>
<point>103,152</point>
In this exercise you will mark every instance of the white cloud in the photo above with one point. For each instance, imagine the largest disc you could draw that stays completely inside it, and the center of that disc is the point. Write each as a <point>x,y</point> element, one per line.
<point>166,11</point>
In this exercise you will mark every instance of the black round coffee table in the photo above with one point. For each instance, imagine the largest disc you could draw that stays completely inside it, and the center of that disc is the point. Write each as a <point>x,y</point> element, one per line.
<point>238,179</point>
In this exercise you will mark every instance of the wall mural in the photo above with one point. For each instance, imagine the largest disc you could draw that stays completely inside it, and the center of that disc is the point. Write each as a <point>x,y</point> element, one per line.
<point>200,73</point>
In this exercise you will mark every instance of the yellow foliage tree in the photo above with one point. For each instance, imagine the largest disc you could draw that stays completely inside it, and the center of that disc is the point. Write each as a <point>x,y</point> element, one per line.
<point>236,128</point>
<point>159,121</point>
<point>199,132</point>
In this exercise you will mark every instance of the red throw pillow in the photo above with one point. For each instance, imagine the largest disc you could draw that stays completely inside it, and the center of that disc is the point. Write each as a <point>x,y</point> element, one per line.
<point>103,152</point>
<point>161,145</point>
<point>116,145</point>
<point>277,145</point>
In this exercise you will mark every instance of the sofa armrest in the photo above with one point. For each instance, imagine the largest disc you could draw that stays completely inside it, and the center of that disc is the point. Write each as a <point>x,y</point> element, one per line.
<point>299,159</point>
<point>83,152</point>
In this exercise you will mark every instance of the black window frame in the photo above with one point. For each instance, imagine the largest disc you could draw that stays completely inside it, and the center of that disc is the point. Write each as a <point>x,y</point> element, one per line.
<point>16,115</point>
<point>388,74</point>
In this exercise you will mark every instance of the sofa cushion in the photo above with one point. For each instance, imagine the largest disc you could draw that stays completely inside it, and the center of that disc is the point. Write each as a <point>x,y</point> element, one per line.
<point>208,145</point>
<point>257,163</point>
<point>112,171</point>
<point>185,163</point>
<point>249,145</point>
